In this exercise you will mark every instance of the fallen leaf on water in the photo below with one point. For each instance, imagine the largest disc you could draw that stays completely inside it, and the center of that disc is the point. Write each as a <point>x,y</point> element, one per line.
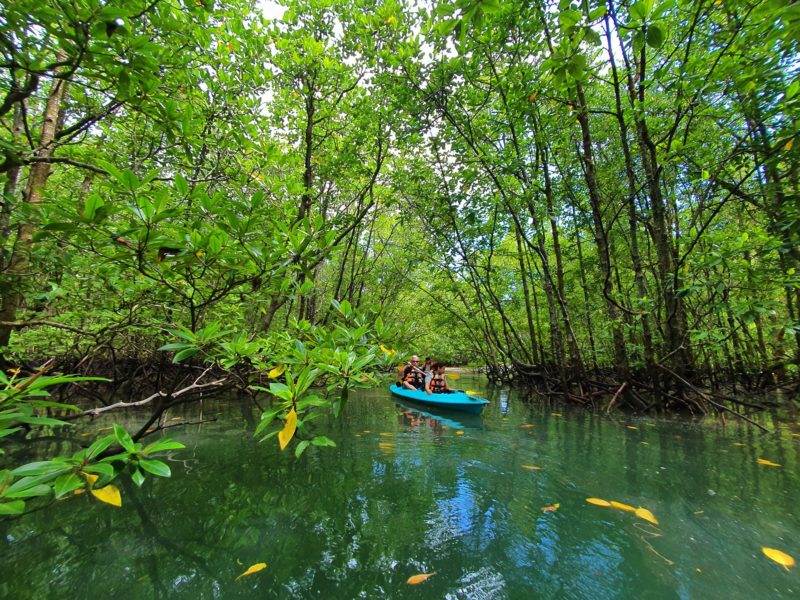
<point>739,444</point>
<point>176,418</point>
<point>555,414</point>
<point>645,443</point>
<point>386,434</point>
<point>527,426</point>
<point>645,514</point>
<point>622,506</point>
<point>417,579</point>
<point>459,432</point>
<point>276,372</point>
<point>598,502</point>
<point>767,463</point>
<point>254,569</point>
<point>532,467</point>
<point>109,494</point>
<point>698,570</point>
<point>287,433</point>
<point>551,508</point>
<point>779,557</point>
<point>632,427</point>
<point>699,512</point>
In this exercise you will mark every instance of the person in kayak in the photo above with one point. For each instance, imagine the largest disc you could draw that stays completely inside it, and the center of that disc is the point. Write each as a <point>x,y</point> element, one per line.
<point>413,376</point>
<point>438,383</point>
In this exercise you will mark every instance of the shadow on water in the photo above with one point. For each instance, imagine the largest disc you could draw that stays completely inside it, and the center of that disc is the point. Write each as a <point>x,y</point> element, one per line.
<point>449,418</point>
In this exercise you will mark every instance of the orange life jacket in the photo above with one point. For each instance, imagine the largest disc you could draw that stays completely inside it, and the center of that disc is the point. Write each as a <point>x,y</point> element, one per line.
<point>438,383</point>
<point>414,377</point>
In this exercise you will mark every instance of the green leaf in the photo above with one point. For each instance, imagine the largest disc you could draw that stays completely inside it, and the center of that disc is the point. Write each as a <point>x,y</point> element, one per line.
<point>99,446</point>
<point>16,507</point>
<point>301,448</point>
<point>568,18</point>
<point>156,467</point>
<point>655,36</point>
<point>67,483</point>
<point>163,446</point>
<point>124,439</point>
<point>321,440</point>
<point>185,354</point>
<point>137,477</point>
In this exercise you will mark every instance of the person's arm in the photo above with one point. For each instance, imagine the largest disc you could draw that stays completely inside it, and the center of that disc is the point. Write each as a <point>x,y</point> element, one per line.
<point>428,386</point>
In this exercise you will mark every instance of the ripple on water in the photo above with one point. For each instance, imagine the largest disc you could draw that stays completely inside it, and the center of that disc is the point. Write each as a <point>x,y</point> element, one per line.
<point>483,584</point>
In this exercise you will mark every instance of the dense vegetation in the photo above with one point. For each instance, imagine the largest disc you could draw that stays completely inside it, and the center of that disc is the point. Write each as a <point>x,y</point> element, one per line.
<point>601,197</point>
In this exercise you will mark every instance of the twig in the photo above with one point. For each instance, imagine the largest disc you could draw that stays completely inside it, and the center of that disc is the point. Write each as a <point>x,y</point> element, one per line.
<point>616,395</point>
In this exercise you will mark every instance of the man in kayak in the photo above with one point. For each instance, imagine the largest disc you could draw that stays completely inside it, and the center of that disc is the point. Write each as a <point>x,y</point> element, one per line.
<point>413,376</point>
<point>438,383</point>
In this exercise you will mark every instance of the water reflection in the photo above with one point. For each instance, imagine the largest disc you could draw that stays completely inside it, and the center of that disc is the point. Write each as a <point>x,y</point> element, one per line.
<point>414,490</point>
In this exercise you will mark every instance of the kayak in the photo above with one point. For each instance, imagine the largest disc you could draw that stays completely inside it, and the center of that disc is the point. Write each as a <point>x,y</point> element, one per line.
<point>455,401</point>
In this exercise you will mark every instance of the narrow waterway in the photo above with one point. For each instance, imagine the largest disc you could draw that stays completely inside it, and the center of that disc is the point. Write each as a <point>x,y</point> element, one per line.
<point>409,491</point>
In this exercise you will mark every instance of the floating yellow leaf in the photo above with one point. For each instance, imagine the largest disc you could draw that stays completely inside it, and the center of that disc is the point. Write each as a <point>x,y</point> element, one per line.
<point>779,557</point>
<point>532,467</point>
<point>254,569</point>
<point>550,508</point>
<point>699,512</point>
<point>632,427</point>
<point>598,502</point>
<point>108,494</point>
<point>452,375</point>
<point>417,579</point>
<point>474,393</point>
<point>645,443</point>
<point>645,514</point>
<point>555,414</point>
<point>276,372</point>
<point>386,434</point>
<point>287,433</point>
<point>527,426</point>
<point>767,463</point>
<point>459,432</point>
<point>622,506</point>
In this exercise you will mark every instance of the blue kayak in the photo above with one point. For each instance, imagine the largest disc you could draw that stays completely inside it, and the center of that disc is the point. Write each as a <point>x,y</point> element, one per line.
<point>455,401</point>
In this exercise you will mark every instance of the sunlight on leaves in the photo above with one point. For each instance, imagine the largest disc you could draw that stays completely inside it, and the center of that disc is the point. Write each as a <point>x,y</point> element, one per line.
<point>598,502</point>
<point>253,569</point>
<point>108,494</point>
<point>287,433</point>
<point>779,557</point>
<point>417,579</point>
<point>645,514</point>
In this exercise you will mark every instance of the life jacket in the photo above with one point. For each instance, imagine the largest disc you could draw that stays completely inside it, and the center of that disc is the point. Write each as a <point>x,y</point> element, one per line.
<point>438,383</point>
<point>414,377</point>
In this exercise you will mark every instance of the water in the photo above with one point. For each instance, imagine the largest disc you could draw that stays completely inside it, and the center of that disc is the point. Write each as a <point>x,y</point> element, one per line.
<point>408,492</point>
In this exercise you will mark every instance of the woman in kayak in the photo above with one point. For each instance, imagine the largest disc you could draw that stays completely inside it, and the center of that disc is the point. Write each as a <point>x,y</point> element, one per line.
<point>438,383</point>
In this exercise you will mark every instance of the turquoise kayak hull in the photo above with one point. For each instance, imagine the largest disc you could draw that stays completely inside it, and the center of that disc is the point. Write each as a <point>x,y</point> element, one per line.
<point>455,401</point>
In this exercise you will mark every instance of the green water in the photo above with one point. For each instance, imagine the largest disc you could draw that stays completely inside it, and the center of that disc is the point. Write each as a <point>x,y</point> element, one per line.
<point>405,493</point>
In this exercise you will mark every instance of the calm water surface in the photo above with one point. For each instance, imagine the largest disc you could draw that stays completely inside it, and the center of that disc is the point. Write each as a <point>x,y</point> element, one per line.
<point>409,491</point>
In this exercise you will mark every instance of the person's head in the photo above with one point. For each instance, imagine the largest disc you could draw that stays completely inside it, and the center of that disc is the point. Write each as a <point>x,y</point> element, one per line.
<point>415,360</point>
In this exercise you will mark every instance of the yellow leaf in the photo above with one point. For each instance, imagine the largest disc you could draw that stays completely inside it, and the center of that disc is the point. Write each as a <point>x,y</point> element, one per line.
<point>550,508</point>
<point>767,463</point>
<point>79,491</point>
<point>108,494</point>
<point>90,477</point>
<point>254,569</point>
<point>622,506</point>
<point>287,433</point>
<point>788,145</point>
<point>779,557</point>
<point>473,393</point>
<point>417,579</point>
<point>555,414</point>
<point>386,434</point>
<point>532,467</point>
<point>276,372</point>
<point>532,97</point>
<point>391,20</point>
<point>452,375</point>
<point>645,514</point>
<point>459,432</point>
<point>386,351</point>
<point>598,502</point>
<point>527,426</point>
<point>632,427</point>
